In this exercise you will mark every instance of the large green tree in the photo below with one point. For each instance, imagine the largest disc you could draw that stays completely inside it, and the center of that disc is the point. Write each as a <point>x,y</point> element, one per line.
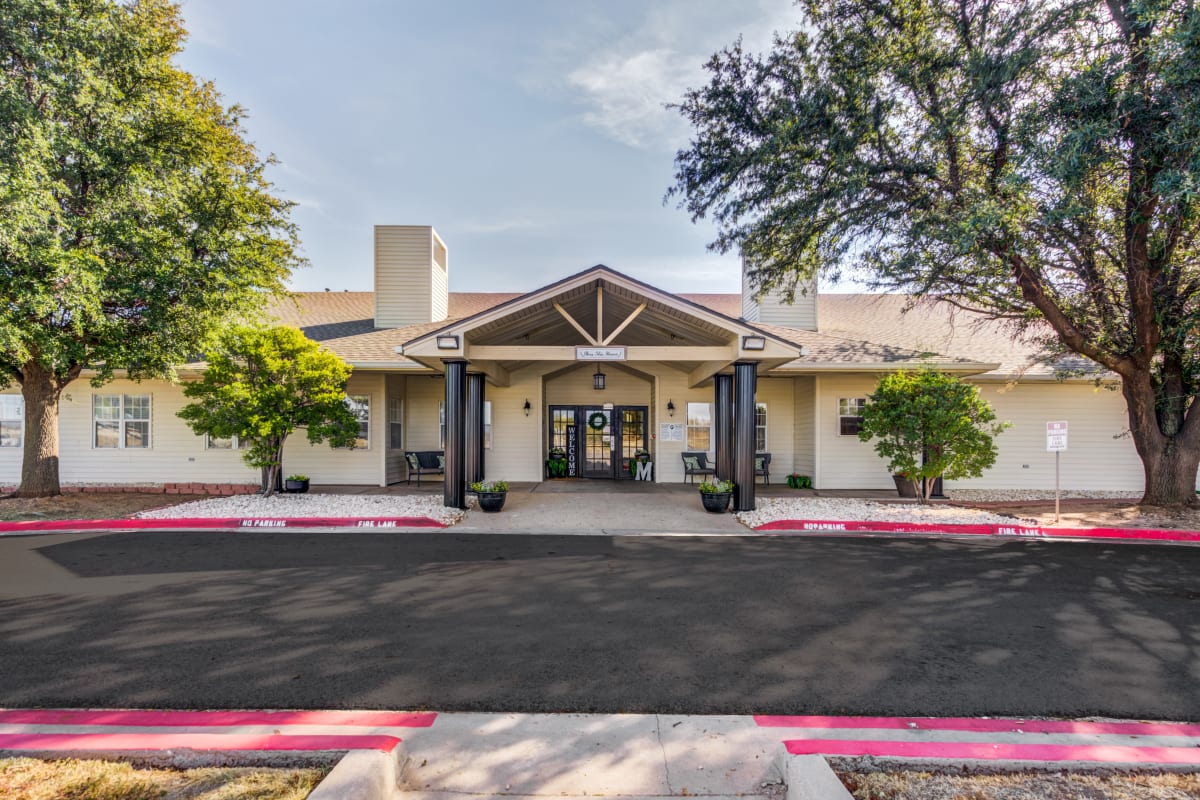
<point>134,215</point>
<point>263,383</point>
<point>1037,162</point>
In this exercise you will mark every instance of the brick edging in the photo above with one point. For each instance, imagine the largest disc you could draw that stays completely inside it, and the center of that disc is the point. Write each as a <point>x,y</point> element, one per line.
<point>1009,531</point>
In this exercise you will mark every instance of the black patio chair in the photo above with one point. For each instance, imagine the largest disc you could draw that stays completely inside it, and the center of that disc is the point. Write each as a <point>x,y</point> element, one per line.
<point>696,463</point>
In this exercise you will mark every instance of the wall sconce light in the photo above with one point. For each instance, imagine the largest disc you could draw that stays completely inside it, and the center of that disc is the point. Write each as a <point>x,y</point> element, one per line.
<point>449,342</point>
<point>754,343</point>
<point>670,408</point>
<point>598,380</point>
<point>527,407</point>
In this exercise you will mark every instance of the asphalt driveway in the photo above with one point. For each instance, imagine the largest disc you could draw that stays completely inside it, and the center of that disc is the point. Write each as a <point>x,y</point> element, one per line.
<point>456,621</point>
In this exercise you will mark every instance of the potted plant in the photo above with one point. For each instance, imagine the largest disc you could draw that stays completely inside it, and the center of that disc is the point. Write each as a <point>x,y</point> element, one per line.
<point>641,456</point>
<point>491,495</point>
<point>296,484</point>
<point>798,481</point>
<point>715,496</point>
<point>556,464</point>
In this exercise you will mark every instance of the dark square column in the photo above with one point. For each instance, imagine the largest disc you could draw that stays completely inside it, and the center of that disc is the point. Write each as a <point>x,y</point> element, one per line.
<point>745,379</point>
<point>723,425</point>
<point>456,426</point>
<point>474,422</point>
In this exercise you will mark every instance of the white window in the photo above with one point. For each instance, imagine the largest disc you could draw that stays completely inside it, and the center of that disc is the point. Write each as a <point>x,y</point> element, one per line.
<point>232,443</point>
<point>121,421</point>
<point>360,406</point>
<point>442,425</point>
<point>699,427</point>
<point>850,415</point>
<point>396,423</point>
<point>487,424</point>
<point>760,427</point>
<point>12,419</point>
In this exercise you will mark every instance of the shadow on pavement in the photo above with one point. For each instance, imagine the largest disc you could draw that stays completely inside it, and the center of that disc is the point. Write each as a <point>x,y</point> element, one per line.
<point>574,623</point>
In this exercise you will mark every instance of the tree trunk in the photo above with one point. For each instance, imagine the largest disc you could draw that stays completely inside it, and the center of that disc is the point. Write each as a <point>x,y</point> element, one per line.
<point>39,467</point>
<point>1169,463</point>
<point>273,473</point>
<point>1171,477</point>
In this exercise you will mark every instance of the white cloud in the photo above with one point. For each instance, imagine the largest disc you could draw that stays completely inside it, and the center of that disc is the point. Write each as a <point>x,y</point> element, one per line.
<point>627,95</point>
<point>626,90</point>
<point>501,225</point>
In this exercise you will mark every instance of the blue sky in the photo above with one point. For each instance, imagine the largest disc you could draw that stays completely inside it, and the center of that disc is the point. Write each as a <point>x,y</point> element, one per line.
<point>532,135</point>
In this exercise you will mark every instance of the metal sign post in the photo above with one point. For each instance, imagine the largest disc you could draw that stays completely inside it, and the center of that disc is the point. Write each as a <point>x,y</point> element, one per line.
<point>1056,442</point>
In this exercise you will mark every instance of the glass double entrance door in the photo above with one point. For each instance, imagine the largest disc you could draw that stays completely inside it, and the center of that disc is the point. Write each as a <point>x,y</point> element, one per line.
<point>599,441</point>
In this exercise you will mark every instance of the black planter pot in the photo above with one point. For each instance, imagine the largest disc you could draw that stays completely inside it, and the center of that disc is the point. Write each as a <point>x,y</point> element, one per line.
<point>716,502</point>
<point>295,487</point>
<point>904,486</point>
<point>491,502</point>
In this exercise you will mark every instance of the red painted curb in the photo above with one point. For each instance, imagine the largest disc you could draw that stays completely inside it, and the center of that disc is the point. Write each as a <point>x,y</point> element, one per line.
<point>1011,531</point>
<point>190,741</point>
<point>972,725</point>
<point>980,751</point>
<point>218,523</point>
<point>165,719</point>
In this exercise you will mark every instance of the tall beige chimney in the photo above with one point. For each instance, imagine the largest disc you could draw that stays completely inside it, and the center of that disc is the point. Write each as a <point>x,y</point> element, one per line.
<point>773,309</point>
<point>411,284</point>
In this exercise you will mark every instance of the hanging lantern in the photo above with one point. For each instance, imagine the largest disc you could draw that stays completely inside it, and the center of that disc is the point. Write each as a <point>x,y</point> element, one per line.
<point>598,380</point>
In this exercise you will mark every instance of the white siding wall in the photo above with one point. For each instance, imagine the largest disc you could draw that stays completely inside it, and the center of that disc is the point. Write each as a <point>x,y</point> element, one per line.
<point>324,465</point>
<point>10,457</point>
<point>410,287</point>
<point>177,455</point>
<point>518,441</point>
<point>779,396</point>
<point>672,386</point>
<point>804,453</point>
<point>576,387</point>
<point>1099,456</point>
<point>424,393</point>
<point>845,462</point>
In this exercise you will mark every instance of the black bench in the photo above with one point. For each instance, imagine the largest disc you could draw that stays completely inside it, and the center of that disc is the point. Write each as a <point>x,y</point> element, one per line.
<point>425,462</point>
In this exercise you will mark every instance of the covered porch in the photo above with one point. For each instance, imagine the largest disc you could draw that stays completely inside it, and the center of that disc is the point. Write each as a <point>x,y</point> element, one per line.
<point>599,367</point>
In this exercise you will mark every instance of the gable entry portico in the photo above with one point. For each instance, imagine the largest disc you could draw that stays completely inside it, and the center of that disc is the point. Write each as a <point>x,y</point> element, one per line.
<point>599,317</point>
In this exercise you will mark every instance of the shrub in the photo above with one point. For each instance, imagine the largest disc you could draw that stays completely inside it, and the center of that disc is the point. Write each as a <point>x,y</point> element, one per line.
<point>928,425</point>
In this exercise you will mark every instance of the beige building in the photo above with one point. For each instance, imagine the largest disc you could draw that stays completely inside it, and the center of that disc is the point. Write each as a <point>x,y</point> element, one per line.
<point>603,366</point>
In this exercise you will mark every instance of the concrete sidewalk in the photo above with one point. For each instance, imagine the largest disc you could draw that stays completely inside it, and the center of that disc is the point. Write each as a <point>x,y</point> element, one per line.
<point>533,509</point>
<point>446,756</point>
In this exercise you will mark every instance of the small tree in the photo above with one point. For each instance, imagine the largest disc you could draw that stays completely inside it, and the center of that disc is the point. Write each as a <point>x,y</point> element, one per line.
<point>263,383</point>
<point>929,425</point>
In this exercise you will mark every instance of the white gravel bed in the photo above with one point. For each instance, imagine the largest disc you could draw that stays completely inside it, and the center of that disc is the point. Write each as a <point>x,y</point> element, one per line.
<point>313,505</point>
<point>848,509</point>
<point>1020,495</point>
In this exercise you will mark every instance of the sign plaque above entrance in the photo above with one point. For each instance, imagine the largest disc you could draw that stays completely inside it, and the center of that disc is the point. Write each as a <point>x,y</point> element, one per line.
<point>599,353</point>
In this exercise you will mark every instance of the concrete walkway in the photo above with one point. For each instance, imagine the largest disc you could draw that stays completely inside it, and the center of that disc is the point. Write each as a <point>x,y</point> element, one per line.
<point>447,756</point>
<point>590,506</point>
<point>600,507</point>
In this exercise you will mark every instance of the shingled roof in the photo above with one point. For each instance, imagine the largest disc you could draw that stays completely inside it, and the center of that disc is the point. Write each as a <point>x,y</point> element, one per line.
<point>867,329</point>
